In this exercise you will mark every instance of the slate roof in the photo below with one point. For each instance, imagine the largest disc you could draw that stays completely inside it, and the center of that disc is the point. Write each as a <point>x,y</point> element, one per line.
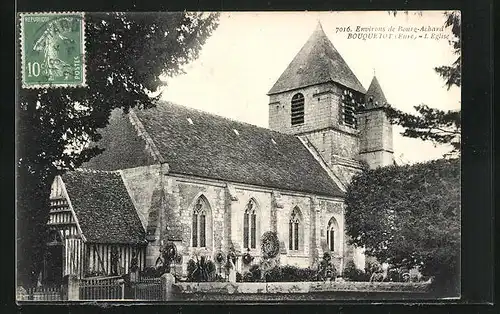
<point>375,91</point>
<point>124,147</point>
<point>103,207</point>
<point>219,148</point>
<point>317,62</point>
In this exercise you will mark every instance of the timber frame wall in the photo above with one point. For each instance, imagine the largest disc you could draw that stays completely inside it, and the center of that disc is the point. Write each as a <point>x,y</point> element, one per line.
<point>81,257</point>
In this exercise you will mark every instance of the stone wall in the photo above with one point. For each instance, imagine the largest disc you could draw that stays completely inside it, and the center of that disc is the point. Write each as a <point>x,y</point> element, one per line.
<point>295,287</point>
<point>376,138</point>
<point>141,182</point>
<point>318,109</point>
<point>227,203</point>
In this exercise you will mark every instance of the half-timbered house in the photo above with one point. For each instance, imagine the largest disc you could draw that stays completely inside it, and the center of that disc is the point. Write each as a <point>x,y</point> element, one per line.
<point>94,227</point>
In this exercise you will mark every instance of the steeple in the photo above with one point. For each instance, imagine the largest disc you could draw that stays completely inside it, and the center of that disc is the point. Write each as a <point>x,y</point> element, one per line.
<point>375,96</point>
<point>375,129</point>
<point>319,27</point>
<point>317,62</point>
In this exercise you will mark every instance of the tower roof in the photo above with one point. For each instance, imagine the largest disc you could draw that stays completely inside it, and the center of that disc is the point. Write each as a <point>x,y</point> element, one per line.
<point>376,92</point>
<point>317,62</point>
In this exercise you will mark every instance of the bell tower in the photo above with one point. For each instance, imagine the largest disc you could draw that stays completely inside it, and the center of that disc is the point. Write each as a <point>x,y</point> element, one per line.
<point>316,98</point>
<point>375,141</point>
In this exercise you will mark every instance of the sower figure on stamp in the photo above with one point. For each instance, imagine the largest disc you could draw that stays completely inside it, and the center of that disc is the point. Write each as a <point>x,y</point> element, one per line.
<point>51,44</point>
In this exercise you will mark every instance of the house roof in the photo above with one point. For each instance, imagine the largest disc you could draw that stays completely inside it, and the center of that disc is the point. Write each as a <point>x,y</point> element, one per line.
<point>103,207</point>
<point>317,62</point>
<point>375,91</point>
<point>200,144</point>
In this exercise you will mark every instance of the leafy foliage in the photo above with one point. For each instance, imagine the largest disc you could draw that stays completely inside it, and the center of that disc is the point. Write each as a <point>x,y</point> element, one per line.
<point>230,261</point>
<point>439,126</point>
<point>273,272</point>
<point>127,55</point>
<point>293,273</point>
<point>452,73</point>
<point>219,257</point>
<point>285,273</point>
<point>201,269</point>
<point>351,273</point>
<point>168,254</point>
<point>326,269</point>
<point>270,244</point>
<point>253,274</point>
<point>247,258</point>
<point>408,216</point>
<point>151,272</point>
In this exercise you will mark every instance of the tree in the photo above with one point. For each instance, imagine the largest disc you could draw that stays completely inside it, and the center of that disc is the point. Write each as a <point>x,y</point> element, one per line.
<point>127,55</point>
<point>409,216</point>
<point>439,126</point>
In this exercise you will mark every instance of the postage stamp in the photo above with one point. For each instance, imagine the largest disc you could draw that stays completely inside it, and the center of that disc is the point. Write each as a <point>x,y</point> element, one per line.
<point>52,49</point>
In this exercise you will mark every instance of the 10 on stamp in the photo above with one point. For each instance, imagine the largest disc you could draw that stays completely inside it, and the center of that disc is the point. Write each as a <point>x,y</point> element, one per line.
<point>53,49</point>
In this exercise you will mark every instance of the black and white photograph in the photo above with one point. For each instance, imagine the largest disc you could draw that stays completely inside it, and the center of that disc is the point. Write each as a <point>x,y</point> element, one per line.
<point>238,156</point>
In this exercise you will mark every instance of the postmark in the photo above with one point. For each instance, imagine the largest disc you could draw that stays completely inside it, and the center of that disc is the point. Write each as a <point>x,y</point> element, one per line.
<point>52,49</point>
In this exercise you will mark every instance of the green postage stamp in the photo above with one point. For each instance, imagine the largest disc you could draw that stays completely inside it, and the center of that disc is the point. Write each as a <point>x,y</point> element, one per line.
<point>52,50</point>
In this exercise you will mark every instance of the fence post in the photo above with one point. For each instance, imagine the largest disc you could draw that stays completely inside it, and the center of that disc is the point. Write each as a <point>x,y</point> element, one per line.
<point>73,288</point>
<point>168,279</point>
<point>122,287</point>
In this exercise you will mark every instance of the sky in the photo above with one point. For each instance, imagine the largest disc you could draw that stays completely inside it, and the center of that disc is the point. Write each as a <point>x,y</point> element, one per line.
<point>247,53</point>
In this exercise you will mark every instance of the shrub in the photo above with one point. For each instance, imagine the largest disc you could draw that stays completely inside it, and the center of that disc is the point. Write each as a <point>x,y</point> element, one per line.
<point>248,277</point>
<point>394,275</point>
<point>372,266</point>
<point>201,270</point>
<point>247,258</point>
<point>274,274</point>
<point>150,272</point>
<point>219,278</point>
<point>352,273</point>
<point>286,273</point>
<point>255,272</point>
<point>293,273</point>
<point>191,266</point>
<point>326,269</point>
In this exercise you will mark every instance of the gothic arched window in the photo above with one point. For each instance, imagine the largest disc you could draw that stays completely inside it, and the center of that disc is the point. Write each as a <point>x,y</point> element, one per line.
<point>249,226</point>
<point>297,113</point>
<point>294,230</point>
<point>331,233</point>
<point>199,224</point>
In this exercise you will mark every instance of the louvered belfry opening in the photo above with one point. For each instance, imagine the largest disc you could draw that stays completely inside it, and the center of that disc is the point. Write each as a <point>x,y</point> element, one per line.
<point>297,109</point>
<point>349,107</point>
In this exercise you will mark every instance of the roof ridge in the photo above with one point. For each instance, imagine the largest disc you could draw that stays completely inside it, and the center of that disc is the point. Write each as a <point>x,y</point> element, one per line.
<point>144,135</point>
<point>89,170</point>
<point>225,118</point>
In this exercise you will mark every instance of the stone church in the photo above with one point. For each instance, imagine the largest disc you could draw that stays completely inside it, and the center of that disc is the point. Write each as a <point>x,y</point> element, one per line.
<point>210,184</point>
